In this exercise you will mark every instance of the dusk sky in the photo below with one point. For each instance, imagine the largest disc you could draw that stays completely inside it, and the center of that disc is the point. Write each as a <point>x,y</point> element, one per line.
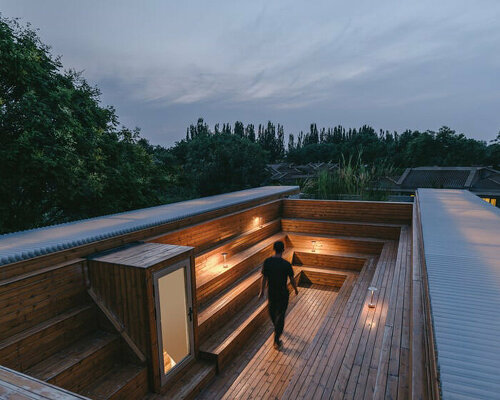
<point>391,64</point>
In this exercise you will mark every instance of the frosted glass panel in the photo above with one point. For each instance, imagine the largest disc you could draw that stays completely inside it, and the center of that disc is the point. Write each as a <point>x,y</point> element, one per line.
<point>174,318</point>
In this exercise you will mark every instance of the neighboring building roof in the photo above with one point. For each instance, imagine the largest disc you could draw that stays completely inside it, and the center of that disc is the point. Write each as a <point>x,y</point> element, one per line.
<point>480,180</point>
<point>35,242</point>
<point>290,173</point>
<point>462,255</point>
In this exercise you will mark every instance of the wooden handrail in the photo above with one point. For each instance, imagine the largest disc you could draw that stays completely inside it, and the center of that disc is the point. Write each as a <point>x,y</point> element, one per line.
<point>117,325</point>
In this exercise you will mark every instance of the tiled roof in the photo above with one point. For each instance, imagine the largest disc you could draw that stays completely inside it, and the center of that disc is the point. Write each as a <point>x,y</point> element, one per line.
<point>475,179</point>
<point>462,255</point>
<point>285,172</point>
<point>436,178</point>
<point>28,244</point>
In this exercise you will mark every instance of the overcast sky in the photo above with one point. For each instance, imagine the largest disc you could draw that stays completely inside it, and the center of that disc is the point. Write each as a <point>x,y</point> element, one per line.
<point>391,64</point>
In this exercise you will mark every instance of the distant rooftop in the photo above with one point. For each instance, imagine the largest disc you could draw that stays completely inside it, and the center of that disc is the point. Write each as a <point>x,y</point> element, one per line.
<point>462,256</point>
<point>23,245</point>
<point>286,173</point>
<point>479,180</point>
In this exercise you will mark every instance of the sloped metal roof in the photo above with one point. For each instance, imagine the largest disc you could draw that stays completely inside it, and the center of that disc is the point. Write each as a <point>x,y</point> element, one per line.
<point>31,243</point>
<point>461,236</point>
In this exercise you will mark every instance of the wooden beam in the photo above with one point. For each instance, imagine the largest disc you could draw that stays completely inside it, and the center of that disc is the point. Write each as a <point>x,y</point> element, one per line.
<point>117,325</point>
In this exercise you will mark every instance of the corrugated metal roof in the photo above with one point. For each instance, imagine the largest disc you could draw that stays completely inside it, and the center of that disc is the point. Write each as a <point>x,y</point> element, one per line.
<point>461,236</point>
<point>27,244</point>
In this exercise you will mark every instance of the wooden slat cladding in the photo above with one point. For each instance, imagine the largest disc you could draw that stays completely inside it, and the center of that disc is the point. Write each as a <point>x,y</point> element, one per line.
<point>338,244</point>
<point>208,234</point>
<point>127,292</point>
<point>359,211</point>
<point>28,300</point>
<point>123,291</point>
<point>328,260</point>
<point>359,229</point>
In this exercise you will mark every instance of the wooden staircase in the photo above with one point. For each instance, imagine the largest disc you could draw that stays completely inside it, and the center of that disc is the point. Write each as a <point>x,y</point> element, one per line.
<point>229,310</point>
<point>51,330</point>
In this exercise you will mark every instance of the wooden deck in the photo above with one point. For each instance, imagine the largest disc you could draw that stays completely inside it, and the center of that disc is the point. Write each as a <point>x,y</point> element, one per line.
<point>334,345</point>
<point>17,386</point>
<point>261,363</point>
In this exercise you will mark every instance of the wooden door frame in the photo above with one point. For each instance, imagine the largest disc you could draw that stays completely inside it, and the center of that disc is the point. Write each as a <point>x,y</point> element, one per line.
<point>186,264</point>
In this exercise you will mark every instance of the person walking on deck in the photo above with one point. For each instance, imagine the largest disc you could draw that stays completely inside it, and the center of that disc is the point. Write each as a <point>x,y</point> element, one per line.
<point>275,272</point>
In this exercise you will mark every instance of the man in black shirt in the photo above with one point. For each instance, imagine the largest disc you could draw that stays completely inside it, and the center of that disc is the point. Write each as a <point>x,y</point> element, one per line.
<point>275,272</point>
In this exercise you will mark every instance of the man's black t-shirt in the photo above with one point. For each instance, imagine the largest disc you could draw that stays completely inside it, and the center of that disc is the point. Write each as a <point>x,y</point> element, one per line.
<point>277,270</point>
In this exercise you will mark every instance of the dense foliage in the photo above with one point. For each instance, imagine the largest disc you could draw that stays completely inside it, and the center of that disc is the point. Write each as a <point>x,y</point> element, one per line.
<point>63,156</point>
<point>409,149</point>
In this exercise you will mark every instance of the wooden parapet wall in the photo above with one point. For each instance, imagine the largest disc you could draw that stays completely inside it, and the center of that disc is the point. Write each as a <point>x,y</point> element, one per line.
<point>360,211</point>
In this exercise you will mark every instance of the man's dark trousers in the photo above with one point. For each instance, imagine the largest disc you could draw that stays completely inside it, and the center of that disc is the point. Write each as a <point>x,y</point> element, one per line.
<point>277,311</point>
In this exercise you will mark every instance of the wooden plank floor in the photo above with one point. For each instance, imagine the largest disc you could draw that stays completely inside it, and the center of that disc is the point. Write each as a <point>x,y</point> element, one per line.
<point>261,371</point>
<point>335,346</point>
<point>362,352</point>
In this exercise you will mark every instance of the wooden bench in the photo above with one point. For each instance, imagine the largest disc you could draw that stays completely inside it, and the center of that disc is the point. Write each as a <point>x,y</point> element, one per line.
<point>213,279</point>
<point>347,244</point>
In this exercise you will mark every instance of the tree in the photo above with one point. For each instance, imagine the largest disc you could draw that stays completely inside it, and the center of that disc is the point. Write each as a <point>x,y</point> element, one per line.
<point>250,132</point>
<point>220,163</point>
<point>62,156</point>
<point>239,129</point>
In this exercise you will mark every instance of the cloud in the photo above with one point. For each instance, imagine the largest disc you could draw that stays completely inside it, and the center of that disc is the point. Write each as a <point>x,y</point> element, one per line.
<point>399,65</point>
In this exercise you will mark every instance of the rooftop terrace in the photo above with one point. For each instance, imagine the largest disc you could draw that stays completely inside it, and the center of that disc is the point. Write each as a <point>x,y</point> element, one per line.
<point>431,330</point>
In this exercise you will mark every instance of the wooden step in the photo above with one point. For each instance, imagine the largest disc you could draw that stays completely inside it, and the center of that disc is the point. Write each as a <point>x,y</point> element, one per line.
<point>325,276</point>
<point>225,343</point>
<point>189,384</point>
<point>214,279</point>
<point>80,364</point>
<point>342,228</point>
<point>27,348</point>
<point>128,381</point>
<point>346,244</point>
<point>224,306</point>
<point>34,297</point>
<point>329,259</point>
<point>213,255</point>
